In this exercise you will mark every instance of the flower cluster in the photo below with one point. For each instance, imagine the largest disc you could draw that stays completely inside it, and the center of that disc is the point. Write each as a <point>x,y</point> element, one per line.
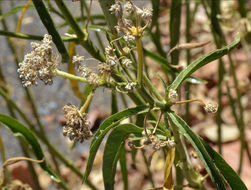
<point>158,144</point>
<point>154,140</point>
<point>111,61</point>
<point>123,11</point>
<point>84,71</point>
<point>77,125</point>
<point>126,62</point>
<point>211,107</point>
<point>39,63</point>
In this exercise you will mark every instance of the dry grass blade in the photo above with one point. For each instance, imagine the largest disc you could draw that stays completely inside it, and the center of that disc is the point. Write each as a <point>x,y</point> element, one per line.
<point>189,46</point>
<point>13,161</point>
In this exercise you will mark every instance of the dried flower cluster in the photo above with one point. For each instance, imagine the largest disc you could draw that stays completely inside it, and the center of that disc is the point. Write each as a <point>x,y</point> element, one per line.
<point>158,144</point>
<point>111,61</point>
<point>77,60</point>
<point>154,140</point>
<point>123,11</point>
<point>84,71</point>
<point>39,63</point>
<point>77,125</point>
<point>211,107</point>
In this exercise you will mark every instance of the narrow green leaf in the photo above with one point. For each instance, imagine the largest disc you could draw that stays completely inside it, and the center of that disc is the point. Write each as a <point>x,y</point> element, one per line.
<point>162,81</point>
<point>114,105</point>
<point>123,167</point>
<point>78,19</point>
<point>20,130</point>
<point>175,17</point>
<point>201,150</point>
<point>32,37</point>
<point>109,123</point>
<point>49,25</point>
<point>111,151</point>
<point>230,175</point>
<point>195,80</point>
<point>14,10</point>
<point>203,60</point>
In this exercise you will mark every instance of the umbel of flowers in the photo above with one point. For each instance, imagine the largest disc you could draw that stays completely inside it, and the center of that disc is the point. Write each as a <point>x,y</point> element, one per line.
<point>39,63</point>
<point>42,64</point>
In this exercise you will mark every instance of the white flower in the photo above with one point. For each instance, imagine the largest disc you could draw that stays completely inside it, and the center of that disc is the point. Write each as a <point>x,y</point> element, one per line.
<point>109,50</point>
<point>126,62</point>
<point>172,95</point>
<point>77,60</point>
<point>147,14</point>
<point>116,9</point>
<point>130,86</point>
<point>128,37</point>
<point>111,60</point>
<point>127,9</point>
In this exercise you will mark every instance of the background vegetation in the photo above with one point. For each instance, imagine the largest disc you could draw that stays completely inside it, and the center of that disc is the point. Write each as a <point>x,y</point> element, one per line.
<point>154,133</point>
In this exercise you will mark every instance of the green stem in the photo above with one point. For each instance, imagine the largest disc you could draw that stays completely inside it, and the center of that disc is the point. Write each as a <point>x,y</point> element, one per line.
<point>150,176</point>
<point>31,37</point>
<point>53,10</point>
<point>221,71</point>
<point>2,149</point>
<point>175,18</point>
<point>156,35</point>
<point>232,104</point>
<point>178,172</point>
<point>242,124</point>
<point>140,61</point>
<point>152,88</point>
<point>188,58</point>
<point>128,74</point>
<point>87,103</point>
<point>242,8</point>
<point>81,79</point>
<point>87,44</point>
<point>70,76</point>
<point>92,21</point>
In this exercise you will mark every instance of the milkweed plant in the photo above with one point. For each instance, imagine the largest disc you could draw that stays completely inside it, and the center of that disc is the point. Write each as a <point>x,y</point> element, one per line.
<point>155,122</point>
